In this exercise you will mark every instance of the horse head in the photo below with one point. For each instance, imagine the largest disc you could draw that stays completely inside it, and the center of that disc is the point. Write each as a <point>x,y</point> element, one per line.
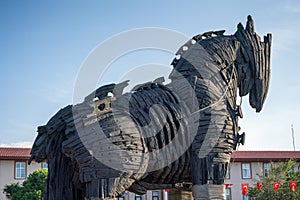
<point>253,64</point>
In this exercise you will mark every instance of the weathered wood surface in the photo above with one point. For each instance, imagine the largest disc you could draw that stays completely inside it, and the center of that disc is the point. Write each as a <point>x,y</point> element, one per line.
<point>99,148</point>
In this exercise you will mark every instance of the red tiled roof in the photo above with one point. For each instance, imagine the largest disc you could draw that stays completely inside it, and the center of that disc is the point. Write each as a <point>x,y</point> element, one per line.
<point>9,153</point>
<point>244,156</point>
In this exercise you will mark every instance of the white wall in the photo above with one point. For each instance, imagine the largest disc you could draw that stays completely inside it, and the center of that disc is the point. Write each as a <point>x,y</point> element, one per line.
<point>7,175</point>
<point>237,181</point>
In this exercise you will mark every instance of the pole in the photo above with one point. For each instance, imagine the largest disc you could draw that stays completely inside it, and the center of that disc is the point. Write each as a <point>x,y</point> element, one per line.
<point>165,194</point>
<point>293,137</point>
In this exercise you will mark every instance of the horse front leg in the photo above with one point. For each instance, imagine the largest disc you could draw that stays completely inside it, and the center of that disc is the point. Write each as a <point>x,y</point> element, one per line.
<point>210,155</point>
<point>208,178</point>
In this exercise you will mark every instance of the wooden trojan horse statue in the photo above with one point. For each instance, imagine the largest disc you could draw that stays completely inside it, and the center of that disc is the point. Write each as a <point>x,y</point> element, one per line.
<point>158,136</point>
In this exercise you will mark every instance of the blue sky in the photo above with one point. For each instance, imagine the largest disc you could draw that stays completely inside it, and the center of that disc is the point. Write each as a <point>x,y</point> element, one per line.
<point>43,45</point>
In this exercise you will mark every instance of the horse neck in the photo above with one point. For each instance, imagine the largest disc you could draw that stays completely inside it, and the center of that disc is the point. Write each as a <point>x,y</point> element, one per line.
<point>223,51</point>
<point>212,59</point>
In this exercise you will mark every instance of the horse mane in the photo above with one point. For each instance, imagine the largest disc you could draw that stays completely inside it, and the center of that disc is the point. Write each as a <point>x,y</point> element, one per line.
<point>195,39</point>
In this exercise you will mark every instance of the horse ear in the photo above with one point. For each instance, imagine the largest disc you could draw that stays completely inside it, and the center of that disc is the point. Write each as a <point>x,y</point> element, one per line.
<point>250,24</point>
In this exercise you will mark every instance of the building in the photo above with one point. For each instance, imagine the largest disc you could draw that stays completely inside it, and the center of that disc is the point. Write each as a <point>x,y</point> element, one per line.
<point>244,167</point>
<point>14,167</point>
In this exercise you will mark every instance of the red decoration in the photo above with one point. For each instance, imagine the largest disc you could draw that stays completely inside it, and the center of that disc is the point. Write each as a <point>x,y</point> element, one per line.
<point>228,185</point>
<point>166,190</point>
<point>276,186</point>
<point>259,186</point>
<point>293,186</point>
<point>245,187</point>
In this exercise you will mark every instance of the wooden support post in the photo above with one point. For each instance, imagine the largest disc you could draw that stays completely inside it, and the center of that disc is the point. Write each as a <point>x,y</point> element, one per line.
<point>180,194</point>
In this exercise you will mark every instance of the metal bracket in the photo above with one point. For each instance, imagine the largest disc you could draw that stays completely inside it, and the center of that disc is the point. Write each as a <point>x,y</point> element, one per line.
<point>240,138</point>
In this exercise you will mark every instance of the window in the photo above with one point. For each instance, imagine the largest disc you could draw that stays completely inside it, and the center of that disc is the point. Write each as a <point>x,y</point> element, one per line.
<point>44,165</point>
<point>246,197</point>
<point>20,170</point>
<point>155,195</point>
<point>266,169</point>
<point>228,194</point>
<point>246,170</point>
<point>138,197</point>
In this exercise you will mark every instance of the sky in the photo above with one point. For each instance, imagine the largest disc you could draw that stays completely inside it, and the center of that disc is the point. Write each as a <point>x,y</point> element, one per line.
<point>43,45</point>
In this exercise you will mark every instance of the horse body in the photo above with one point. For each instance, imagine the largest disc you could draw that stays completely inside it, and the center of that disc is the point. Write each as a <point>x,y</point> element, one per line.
<point>159,136</point>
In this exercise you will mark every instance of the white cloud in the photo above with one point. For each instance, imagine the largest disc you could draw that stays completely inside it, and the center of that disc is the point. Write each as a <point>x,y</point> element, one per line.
<point>24,144</point>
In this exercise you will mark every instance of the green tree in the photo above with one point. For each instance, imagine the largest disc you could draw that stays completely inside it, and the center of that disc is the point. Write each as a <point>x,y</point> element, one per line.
<point>9,190</point>
<point>32,189</point>
<point>283,173</point>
